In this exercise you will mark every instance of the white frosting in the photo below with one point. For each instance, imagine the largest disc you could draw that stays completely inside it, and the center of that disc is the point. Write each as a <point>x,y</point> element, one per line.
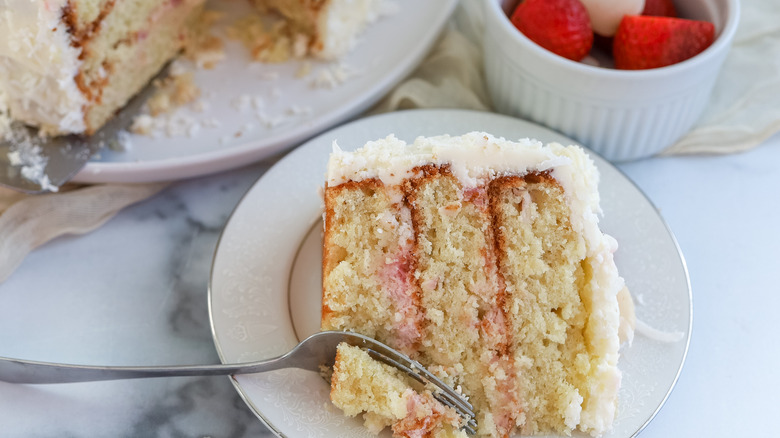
<point>38,66</point>
<point>477,157</point>
<point>474,157</point>
<point>653,333</point>
<point>343,22</point>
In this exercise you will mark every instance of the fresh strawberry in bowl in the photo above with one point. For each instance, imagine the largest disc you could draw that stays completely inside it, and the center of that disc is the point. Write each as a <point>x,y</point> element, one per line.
<point>560,26</point>
<point>659,8</point>
<point>643,42</point>
<point>623,114</point>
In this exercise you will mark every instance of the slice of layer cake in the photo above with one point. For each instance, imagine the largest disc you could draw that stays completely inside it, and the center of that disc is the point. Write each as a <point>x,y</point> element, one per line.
<point>481,258</point>
<point>68,65</point>
<point>383,394</point>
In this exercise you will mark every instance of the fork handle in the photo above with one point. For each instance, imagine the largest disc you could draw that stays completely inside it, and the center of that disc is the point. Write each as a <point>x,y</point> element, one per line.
<point>27,371</point>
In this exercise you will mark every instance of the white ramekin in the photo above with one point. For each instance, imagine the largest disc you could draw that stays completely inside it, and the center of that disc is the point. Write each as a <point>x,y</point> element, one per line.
<point>622,115</point>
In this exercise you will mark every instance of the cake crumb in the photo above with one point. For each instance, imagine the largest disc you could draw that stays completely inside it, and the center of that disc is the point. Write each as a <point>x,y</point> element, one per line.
<point>200,106</point>
<point>172,92</point>
<point>269,121</point>
<point>333,75</point>
<point>202,47</point>
<point>269,39</point>
<point>304,70</point>
<point>296,110</point>
<point>142,124</point>
<point>171,125</point>
<point>26,156</point>
<point>257,102</point>
<point>269,75</point>
<point>211,123</point>
<point>123,141</point>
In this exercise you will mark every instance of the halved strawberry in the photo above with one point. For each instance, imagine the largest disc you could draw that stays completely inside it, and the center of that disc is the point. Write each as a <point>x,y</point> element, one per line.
<point>560,26</point>
<point>643,42</point>
<point>660,8</point>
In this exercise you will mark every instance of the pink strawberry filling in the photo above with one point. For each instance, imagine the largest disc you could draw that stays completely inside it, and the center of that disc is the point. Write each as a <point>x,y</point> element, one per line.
<point>477,196</point>
<point>423,416</point>
<point>495,331</point>
<point>506,408</point>
<point>397,281</point>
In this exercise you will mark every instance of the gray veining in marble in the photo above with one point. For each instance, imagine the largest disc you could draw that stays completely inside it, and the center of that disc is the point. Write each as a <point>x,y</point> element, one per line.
<point>134,292</point>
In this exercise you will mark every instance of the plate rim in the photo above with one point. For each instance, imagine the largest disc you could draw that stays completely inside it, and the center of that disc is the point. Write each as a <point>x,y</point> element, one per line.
<point>201,164</point>
<point>444,113</point>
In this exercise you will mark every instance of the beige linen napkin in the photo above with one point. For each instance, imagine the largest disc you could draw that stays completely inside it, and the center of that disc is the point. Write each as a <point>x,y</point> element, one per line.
<point>27,222</point>
<point>744,107</point>
<point>743,112</point>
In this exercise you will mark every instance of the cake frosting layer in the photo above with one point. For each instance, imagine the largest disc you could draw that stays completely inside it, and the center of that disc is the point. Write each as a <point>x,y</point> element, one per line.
<point>475,158</point>
<point>342,25</point>
<point>38,65</point>
<point>483,259</point>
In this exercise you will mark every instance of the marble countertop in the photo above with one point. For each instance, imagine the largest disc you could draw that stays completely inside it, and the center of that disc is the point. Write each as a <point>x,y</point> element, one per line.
<point>134,292</point>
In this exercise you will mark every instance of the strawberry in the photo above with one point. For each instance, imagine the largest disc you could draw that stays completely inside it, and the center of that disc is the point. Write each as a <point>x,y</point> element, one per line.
<point>643,42</point>
<point>660,8</point>
<point>560,26</point>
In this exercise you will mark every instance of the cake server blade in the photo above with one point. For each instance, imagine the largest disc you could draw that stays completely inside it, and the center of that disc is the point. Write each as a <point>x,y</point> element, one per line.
<point>32,163</point>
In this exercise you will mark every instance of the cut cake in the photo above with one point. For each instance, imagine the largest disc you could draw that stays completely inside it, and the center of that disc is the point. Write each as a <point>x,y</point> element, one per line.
<point>481,258</point>
<point>360,384</point>
<point>66,66</point>
<point>330,27</point>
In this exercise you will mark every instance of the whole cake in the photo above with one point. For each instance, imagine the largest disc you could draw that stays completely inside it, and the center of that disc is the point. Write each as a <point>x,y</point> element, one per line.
<point>66,66</point>
<point>481,258</point>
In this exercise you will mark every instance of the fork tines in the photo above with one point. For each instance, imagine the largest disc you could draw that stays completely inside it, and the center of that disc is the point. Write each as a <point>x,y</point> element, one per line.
<point>442,392</point>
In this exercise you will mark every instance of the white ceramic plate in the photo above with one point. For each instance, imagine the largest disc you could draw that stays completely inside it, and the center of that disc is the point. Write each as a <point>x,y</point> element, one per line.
<point>265,281</point>
<point>261,109</point>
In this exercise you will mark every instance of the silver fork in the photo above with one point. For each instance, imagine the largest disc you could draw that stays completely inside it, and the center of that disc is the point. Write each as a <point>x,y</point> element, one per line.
<point>311,354</point>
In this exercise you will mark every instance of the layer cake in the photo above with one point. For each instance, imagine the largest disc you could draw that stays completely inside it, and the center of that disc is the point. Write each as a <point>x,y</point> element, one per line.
<point>481,258</point>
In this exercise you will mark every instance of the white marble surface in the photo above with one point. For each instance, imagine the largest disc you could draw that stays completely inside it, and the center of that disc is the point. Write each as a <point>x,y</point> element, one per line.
<point>134,293</point>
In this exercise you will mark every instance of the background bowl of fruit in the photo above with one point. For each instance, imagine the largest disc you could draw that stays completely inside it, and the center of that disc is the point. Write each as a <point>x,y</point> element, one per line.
<point>626,78</point>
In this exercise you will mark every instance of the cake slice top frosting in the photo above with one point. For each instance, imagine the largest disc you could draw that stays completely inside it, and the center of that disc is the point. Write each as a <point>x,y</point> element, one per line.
<point>475,158</point>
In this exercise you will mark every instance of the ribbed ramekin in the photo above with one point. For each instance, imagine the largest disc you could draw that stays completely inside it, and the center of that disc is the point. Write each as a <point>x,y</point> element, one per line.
<point>622,115</point>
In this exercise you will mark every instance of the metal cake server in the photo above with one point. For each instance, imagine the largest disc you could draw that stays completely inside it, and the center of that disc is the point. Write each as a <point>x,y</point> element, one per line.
<point>36,164</point>
<point>33,164</point>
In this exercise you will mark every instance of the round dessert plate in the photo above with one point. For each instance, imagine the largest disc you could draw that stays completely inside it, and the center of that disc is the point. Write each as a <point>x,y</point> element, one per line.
<point>251,110</point>
<point>265,282</point>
